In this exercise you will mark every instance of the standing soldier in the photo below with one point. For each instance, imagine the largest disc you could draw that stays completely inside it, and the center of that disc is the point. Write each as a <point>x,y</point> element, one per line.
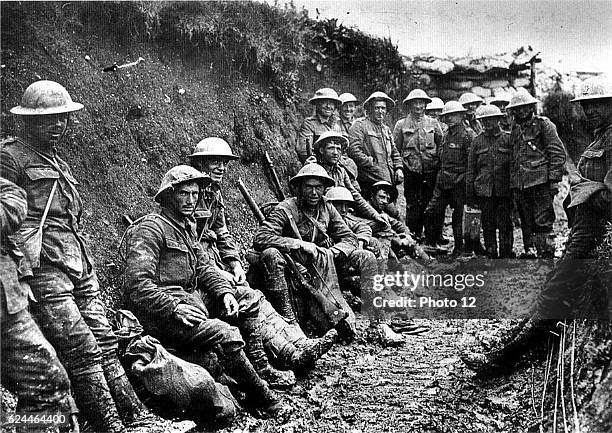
<point>418,138</point>
<point>347,116</point>
<point>450,184</point>
<point>538,165</point>
<point>326,103</point>
<point>501,102</point>
<point>212,156</point>
<point>69,310</point>
<point>592,200</point>
<point>371,145</point>
<point>471,102</point>
<point>30,367</point>
<point>179,296</point>
<point>488,182</point>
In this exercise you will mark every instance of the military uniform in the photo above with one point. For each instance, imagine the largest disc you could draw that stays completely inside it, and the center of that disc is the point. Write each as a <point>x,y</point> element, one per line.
<point>418,142</point>
<point>488,186</point>
<point>474,125</point>
<point>450,183</point>
<point>592,204</point>
<point>372,148</point>
<point>69,310</point>
<point>309,132</point>
<point>538,160</point>
<point>326,229</point>
<point>345,161</point>
<point>30,367</point>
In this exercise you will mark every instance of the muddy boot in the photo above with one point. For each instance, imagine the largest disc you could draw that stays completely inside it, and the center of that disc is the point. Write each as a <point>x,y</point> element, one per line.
<point>308,353</point>
<point>133,412</point>
<point>96,402</point>
<point>519,339</point>
<point>239,368</point>
<point>254,348</point>
<point>277,293</point>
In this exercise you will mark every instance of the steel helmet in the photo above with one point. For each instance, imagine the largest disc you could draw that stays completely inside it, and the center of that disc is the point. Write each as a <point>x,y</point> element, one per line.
<point>379,96</point>
<point>213,147</point>
<point>325,93</point>
<point>312,170</point>
<point>469,98</point>
<point>330,136</point>
<point>498,100</point>
<point>339,193</point>
<point>435,104</point>
<point>178,175</point>
<point>453,107</point>
<point>594,88</point>
<point>348,97</point>
<point>45,97</point>
<point>521,98</point>
<point>383,184</point>
<point>488,111</point>
<point>416,94</point>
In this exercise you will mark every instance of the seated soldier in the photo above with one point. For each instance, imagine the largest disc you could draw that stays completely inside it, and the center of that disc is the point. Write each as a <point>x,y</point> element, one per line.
<point>394,237</point>
<point>310,231</point>
<point>285,340</point>
<point>178,295</point>
<point>342,199</point>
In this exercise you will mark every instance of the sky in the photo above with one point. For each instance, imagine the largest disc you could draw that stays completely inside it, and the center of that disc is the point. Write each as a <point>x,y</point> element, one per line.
<point>572,35</point>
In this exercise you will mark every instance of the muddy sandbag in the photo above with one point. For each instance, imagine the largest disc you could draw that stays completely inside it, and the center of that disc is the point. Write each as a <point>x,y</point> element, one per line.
<point>188,386</point>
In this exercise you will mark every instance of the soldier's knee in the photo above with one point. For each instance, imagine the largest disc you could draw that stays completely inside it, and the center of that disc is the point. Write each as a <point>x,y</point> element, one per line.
<point>230,340</point>
<point>273,260</point>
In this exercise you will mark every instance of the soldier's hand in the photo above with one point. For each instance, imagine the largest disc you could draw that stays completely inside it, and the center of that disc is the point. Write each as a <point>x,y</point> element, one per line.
<point>230,304</point>
<point>383,219</point>
<point>399,176</point>
<point>308,248</point>
<point>189,314</point>
<point>239,274</point>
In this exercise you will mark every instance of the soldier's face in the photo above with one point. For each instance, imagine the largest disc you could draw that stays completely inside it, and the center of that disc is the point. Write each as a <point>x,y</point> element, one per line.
<point>47,129</point>
<point>417,106</point>
<point>490,123</point>
<point>331,152</point>
<point>348,110</point>
<point>453,119</point>
<point>215,168</point>
<point>341,206</point>
<point>501,105</point>
<point>471,107</point>
<point>377,111</point>
<point>185,198</point>
<point>311,191</point>
<point>433,113</point>
<point>598,112</point>
<point>380,200</point>
<point>523,112</point>
<point>326,107</point>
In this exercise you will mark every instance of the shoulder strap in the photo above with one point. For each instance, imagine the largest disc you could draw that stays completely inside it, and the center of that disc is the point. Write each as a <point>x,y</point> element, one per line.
<point>47,206</point>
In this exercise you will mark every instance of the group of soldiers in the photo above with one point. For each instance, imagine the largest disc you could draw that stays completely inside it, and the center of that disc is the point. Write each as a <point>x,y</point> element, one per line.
<point>183,276</point>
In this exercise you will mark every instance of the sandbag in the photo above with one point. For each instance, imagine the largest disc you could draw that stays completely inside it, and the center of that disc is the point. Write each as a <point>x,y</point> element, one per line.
<point>189,386</point>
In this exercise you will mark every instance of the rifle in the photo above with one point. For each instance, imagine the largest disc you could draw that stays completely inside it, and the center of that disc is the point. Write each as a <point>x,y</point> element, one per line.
<point>275,182</point>
<point>332,311</point>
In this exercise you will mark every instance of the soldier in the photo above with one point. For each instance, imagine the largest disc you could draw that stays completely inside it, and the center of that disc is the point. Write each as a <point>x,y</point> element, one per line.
<point>326,103</point>
<point>347,112</point>
<point>311,231</point>
<point>501,101</point>
<point>488,181</point>
<point>434,109</point>
<point>592,200</point>
<point>538,165</point>
<point>471,102</point>
<point>30,368</point>
<point>212,156</point>
<point>328,149</point>
<point>69,310</point>
<point>371,145</point>
<point>418,138</point>
<point>342,199</point>
<point>450,183</point>
<point>179,296</point>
